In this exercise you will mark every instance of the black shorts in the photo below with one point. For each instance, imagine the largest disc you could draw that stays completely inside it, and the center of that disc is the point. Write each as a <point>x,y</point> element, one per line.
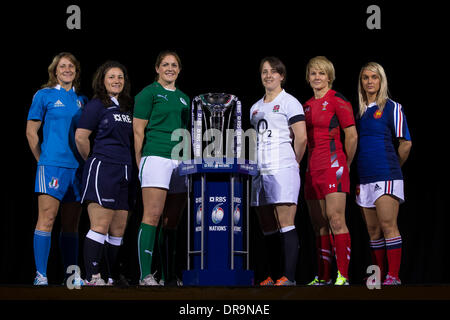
<point>106,184</point>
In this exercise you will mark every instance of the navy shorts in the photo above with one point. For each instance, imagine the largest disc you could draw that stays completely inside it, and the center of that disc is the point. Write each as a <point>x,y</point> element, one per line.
<point>106,184</point>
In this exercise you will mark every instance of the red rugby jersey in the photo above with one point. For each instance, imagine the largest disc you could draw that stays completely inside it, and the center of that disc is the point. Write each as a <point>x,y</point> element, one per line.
<point>325,117</point>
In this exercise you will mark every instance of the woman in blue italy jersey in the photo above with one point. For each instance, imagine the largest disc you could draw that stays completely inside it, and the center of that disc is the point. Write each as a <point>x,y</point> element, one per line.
<point>56,108</point>
<point>381,126</point>
<point>107,174</point>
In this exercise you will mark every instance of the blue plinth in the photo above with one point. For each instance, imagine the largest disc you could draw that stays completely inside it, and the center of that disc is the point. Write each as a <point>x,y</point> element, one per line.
<point>222,221</point>
<point>211,277</point>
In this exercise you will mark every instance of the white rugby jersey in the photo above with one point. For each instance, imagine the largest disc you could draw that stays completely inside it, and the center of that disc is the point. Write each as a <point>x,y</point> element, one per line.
<point>272,123</point>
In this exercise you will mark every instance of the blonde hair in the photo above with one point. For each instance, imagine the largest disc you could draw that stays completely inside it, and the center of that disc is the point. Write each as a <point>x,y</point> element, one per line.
<point>52,80</point>
<point>383,93</point>
<point>321,63</point>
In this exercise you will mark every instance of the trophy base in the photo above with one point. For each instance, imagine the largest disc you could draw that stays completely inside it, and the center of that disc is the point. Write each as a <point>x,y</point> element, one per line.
<point>218,278</point>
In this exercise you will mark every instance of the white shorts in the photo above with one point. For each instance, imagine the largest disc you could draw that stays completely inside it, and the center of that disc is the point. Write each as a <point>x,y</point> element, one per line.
<point>282,186</point>
<point>367,194</point>
<point>159,172</point>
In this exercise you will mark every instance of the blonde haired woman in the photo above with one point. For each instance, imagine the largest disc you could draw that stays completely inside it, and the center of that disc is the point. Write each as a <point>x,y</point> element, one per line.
<point>327,177</point>
<point>57,108</point>
<point>380,189</point>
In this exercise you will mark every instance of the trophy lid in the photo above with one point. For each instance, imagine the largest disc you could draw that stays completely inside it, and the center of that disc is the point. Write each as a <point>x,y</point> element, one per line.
<point>219,99</point>
<point>217,102</point>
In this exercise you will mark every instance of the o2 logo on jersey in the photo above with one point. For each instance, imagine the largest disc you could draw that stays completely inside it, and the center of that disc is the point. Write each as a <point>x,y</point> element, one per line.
<point>378,114</point>
<point>217,214</point>
<point>262,126</point>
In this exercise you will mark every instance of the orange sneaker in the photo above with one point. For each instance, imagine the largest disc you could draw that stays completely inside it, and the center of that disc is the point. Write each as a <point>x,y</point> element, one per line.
<point>283,281</point>
<point>267,282</point>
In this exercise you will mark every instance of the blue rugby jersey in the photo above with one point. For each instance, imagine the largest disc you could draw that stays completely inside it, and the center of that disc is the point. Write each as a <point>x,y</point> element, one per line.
<point>113,131</point>
<point>59,111</point>
<point>377,159</point>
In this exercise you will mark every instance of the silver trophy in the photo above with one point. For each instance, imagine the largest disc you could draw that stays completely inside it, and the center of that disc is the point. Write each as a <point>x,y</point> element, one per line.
<point>216,118</point>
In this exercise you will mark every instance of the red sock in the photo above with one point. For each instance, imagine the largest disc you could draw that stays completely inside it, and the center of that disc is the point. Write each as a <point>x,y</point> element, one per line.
<point>343,250</point>
<point>324,255</point>
<point>378,254</point>
<point>394,255</point>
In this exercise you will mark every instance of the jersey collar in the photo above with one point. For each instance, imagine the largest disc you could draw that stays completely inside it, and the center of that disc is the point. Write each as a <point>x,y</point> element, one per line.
<point>58,87</point>
<point>116,102</point>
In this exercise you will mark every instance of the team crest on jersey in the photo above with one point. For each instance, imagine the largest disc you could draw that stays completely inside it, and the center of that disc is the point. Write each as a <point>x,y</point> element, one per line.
<point>324,106</point>
<point>378,114</point>
<point>54,184</point>
<point>79,104</point>
<point>254,113</point>
<point>183,101</point>
<point>276,108</point>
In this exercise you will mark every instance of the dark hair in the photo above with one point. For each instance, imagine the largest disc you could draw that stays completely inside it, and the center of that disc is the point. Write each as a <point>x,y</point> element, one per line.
<point>277,64</point>
<point>98,85</point>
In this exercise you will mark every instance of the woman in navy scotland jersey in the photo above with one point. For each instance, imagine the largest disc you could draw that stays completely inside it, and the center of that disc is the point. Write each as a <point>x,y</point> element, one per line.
<point>108,170</point>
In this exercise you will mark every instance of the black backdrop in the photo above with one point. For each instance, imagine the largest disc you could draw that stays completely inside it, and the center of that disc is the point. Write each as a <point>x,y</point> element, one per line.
<point>220,44</point>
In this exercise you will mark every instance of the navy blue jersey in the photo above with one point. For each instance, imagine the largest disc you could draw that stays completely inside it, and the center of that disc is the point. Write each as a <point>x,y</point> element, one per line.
<point>113,131</point>
<point>377,159</point>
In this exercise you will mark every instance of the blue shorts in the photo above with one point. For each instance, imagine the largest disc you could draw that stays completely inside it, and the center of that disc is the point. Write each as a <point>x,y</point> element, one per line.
<point>106,184</point>
<point>61,183</point>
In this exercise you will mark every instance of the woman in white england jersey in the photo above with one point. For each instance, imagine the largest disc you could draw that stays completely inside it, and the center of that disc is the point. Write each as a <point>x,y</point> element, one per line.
<point>278,118</point>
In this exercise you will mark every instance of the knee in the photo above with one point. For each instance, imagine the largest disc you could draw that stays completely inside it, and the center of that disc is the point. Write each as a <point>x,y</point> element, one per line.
<point>46,220</point>
<point>117,229</point>
<point>374,231</point>
<point>152,215</point>
<point>100,228</point>
<point>389,227</point>
<point>337,223</point>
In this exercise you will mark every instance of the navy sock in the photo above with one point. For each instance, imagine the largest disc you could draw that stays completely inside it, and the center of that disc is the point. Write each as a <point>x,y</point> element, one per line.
<point>93,251</point>
<point>289,249</point>
<point>68,242</point>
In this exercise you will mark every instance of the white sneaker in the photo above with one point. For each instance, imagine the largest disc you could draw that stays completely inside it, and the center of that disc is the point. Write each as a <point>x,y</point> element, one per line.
<point>96,280</point>
<point>40,280</point>
<point>149,280</point>
<point>110,282</point>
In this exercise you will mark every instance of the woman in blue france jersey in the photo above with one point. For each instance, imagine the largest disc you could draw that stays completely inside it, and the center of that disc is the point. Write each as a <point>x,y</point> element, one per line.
<point>56,108</point>
<point>107,174</point>
<point>381,121</point>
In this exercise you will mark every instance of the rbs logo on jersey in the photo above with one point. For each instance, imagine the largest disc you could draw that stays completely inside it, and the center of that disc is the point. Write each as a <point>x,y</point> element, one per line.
<point>122,118</point>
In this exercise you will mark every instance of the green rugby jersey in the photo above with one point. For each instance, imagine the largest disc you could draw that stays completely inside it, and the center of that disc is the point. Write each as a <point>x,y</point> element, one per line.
<point>165,111</point>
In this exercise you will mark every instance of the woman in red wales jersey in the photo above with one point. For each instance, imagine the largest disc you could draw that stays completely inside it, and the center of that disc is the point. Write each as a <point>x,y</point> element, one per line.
<point>327,179</point>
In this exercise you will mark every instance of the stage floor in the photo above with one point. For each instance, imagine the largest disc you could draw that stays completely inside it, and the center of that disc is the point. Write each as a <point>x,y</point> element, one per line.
<point>135,293</point>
